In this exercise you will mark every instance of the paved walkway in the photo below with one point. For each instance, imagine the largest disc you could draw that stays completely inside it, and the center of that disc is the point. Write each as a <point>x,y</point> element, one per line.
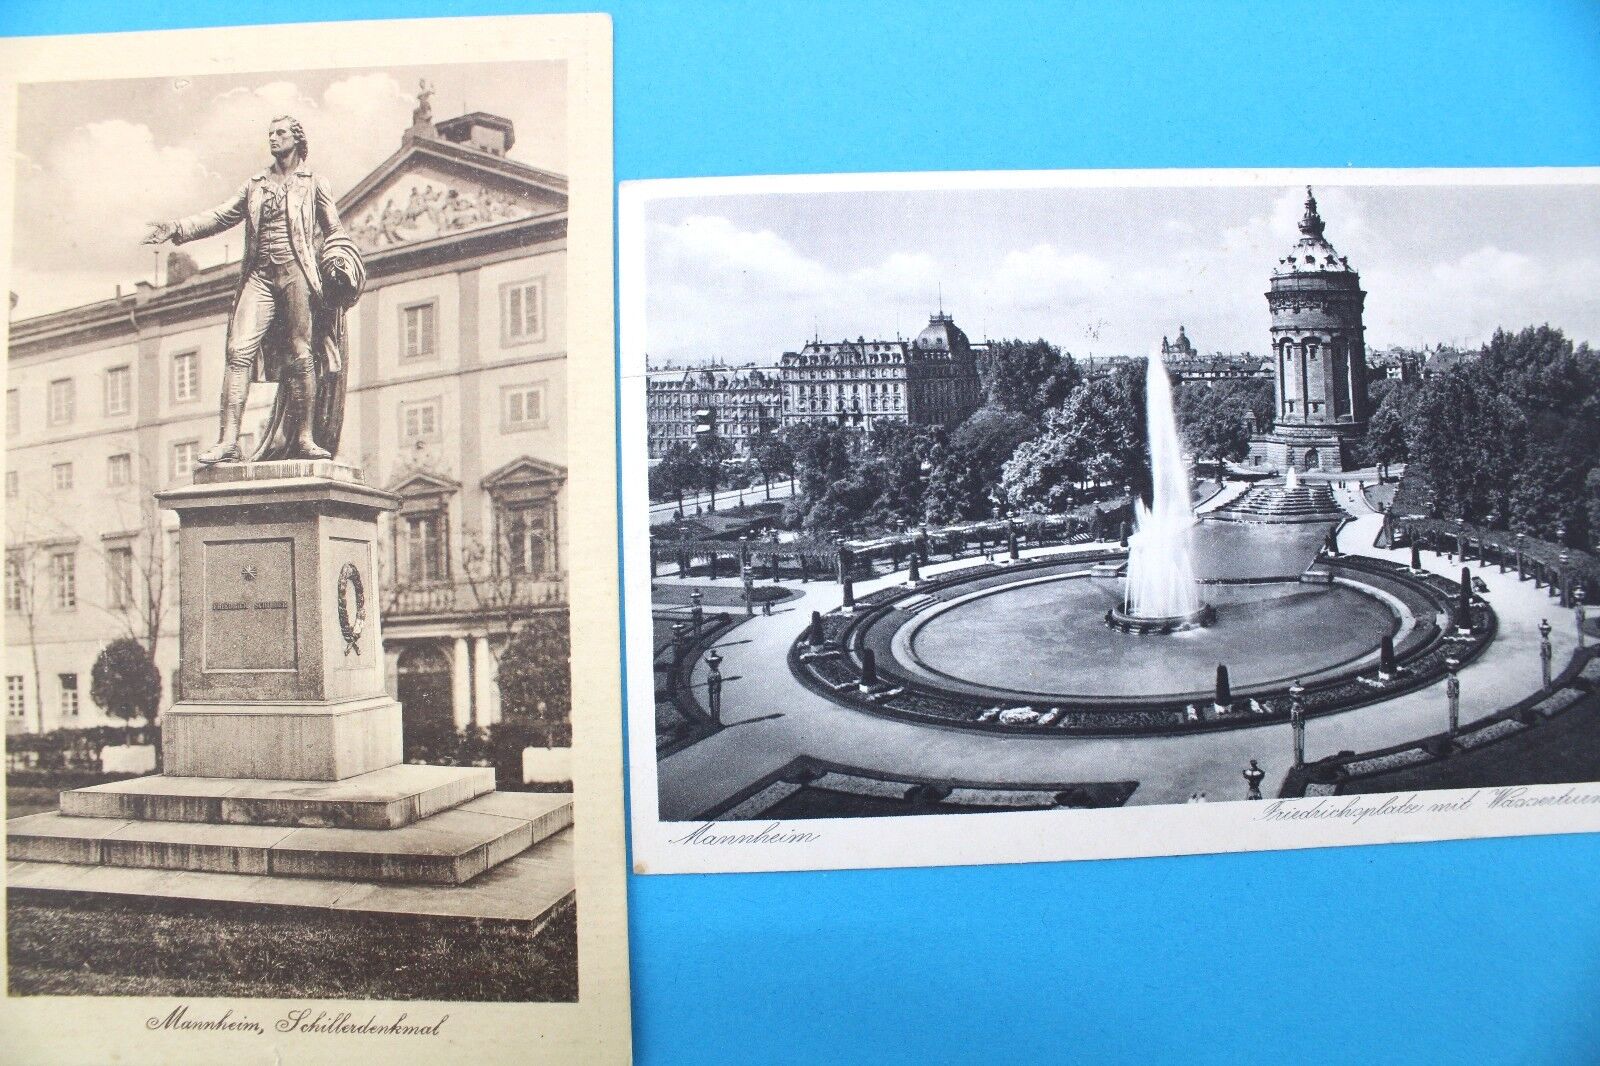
<point>773,718</point>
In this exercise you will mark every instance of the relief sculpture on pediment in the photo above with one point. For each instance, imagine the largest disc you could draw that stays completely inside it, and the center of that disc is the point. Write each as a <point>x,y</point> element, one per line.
<point>429,210</point>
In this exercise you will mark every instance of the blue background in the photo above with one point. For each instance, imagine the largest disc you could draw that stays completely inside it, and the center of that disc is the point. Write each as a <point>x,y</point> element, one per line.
<point>1481,951</point>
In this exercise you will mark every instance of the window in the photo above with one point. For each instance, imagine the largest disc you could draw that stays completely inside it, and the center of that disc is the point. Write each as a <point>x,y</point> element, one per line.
<point>528,537</point>
<point>13,484</point>
<point>69,695</point>
<point>64,580</point>
<point>417,330</point>
<point>419,420</point>
<point>16,697</point>
<point>119,577</point>
<point>423,559</point>
<point>13,411</point>
<point>119,390</point>
<point>63,402</point>
<point>522,407</point>
<point>522,312</point>
<point>15,585</point>
<point>183,454</point>
<point>119,469</point>
<point>185,377</point>
<point>61,477</point>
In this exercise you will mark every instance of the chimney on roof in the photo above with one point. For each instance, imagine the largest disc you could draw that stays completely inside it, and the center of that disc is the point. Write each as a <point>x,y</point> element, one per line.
<point>481,130</point>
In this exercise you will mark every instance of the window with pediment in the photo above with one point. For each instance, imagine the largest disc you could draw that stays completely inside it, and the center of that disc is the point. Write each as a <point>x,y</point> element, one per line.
<point>422,530</point>
<point>527,537</point>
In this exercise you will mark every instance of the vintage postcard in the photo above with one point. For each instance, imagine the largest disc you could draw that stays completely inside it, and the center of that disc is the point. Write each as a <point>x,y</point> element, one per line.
<point>1009,517</point>
<point>312,744</point>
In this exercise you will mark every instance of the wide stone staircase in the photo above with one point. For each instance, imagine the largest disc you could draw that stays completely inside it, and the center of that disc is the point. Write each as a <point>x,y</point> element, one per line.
<point>1277,502</point>
<point>421,825</point>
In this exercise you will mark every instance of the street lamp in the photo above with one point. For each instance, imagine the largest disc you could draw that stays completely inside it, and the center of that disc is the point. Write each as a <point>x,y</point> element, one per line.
<point>1452,691</point>
<point>1578,597</point>
<point>697,612</point>
<point>1522,571</point>
<point>714,685</point>
<point>1297,720</point>
<point>1546,653</point>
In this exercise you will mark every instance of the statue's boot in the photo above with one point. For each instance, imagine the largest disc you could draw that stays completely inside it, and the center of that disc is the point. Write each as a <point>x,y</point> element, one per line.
<point>226,450</point>
<point>304,384</point>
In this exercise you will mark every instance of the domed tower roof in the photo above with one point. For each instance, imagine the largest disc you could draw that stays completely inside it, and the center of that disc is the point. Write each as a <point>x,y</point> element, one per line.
<point>1312,253</point>
<point>942,333</point>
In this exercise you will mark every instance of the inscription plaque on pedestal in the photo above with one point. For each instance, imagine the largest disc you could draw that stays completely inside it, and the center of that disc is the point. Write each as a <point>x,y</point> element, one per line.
<point>249,605</point>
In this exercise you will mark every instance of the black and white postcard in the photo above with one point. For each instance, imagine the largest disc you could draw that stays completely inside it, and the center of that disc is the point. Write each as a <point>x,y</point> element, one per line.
<point>1007,517</point>
<point>312,751</point>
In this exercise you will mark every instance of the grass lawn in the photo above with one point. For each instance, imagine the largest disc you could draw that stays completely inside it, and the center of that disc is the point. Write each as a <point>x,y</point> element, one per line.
<point>27,799</point>
<point>105,946</point>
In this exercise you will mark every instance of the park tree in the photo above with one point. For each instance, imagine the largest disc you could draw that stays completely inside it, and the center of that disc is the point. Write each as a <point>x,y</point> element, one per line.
<point>1097,441</point>
<point>1027,377</point>
<point>677,472</point>
<point>965,471</point>
<point>1395,404</point>
<point>125,683</point>
<point>535,675</point>
<point>1469,441</point>
<point>1217,418</point>
<point>773,457</point>
<point>711,452</point>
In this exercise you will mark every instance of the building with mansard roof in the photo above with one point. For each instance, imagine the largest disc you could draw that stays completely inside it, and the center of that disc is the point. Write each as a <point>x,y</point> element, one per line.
<point>930,380</point>
<point>739,404</point>
<point>456,401</point>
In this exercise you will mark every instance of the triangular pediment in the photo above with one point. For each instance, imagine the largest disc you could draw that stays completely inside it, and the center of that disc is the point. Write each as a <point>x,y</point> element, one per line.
<point>431,189</point>
<point>423,483</point>
<point>525,473</point>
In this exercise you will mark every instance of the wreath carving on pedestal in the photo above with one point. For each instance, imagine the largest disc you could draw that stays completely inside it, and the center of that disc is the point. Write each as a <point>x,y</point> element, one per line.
<point>352,601</point>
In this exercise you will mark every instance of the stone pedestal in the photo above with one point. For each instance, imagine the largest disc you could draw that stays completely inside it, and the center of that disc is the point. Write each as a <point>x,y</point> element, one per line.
<point>280,646</point>
<point>283,757</point>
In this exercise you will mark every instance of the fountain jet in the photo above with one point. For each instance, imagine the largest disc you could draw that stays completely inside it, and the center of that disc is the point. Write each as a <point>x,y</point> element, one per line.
<point>1161,592</point>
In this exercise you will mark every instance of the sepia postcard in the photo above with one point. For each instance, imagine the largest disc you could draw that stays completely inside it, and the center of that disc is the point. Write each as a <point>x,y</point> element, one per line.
<point>1007,517</point>
<point>312,744</point>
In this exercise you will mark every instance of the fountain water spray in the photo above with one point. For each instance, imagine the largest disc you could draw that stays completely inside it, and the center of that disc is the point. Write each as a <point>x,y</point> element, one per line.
<point>1161,584</point>
<point>1291,480</point>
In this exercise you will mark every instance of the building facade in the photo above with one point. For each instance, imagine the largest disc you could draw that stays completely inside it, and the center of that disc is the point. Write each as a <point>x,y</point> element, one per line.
<point>456,401</point>
<point>1185,363</point>
<point>739,404</point>
<point>1319,356</point>
<point>931,380</point>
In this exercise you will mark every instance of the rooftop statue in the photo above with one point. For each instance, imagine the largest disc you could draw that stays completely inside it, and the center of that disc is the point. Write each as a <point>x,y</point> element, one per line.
<point>301,272</point>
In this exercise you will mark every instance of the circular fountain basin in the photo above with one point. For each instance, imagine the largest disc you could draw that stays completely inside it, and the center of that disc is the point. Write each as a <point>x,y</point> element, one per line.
<point>1046,640</point>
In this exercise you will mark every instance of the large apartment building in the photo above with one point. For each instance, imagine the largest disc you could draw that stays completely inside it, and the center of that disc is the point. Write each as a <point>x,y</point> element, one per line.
<point>456,402</point>
<point>931,380</point>
<point>737,403</point>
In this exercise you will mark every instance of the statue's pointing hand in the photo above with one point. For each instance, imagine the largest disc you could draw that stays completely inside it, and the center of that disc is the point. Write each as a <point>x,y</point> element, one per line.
<point>160,233</point>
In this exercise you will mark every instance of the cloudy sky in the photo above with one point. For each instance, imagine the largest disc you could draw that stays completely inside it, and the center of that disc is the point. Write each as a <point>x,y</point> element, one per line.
<point>98,160</point>
<point>1107,271</point>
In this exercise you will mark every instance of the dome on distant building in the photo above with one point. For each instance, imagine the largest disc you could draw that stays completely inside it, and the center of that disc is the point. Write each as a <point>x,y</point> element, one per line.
<point>1182,348</point>
<point>1312,253</point>
<point>941,332</point>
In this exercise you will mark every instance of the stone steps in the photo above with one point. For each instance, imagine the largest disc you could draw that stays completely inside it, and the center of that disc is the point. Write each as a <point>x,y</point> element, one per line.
<point>382,799</point>
<point>1278,503</point>
<point>449,847</point>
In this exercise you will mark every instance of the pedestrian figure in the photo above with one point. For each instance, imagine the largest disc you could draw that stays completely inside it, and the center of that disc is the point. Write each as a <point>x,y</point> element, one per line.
<point>766,608</point>
<point>1253,777</point>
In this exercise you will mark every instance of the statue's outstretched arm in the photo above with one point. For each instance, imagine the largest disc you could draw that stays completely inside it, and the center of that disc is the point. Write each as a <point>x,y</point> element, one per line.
<point>206,223</point>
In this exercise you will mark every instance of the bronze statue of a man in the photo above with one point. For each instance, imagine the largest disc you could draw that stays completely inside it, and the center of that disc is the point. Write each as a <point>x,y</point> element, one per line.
<point>300,273</point>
